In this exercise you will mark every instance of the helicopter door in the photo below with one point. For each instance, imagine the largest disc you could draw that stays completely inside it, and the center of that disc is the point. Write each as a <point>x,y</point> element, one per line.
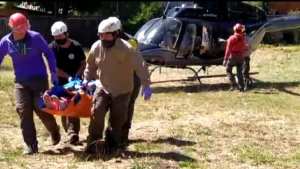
<point>205,41</point>
<point>188,41</point>
<point>170,30</point>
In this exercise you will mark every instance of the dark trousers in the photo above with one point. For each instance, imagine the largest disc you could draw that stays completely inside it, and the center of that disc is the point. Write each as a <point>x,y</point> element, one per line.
<point>71,125</point>
<point>27,95</point>
<point>133,97</point>
<point>246,70</point>
<point>239,67</point>
<point>118,107</point>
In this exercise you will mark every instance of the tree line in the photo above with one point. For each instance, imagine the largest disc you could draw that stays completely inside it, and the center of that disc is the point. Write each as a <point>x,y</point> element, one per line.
<point>133,14</point>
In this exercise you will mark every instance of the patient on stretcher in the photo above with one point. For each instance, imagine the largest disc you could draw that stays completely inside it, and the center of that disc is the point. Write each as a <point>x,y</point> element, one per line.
<point>58,98</point>
<point>73,99</point>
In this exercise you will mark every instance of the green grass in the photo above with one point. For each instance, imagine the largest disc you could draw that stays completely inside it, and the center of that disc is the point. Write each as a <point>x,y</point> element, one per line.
<point>149,147</point>
<point>255,154</point>
<point>191,165</point>
<point>9,155</point>
<point>144,165</point>
<point>261,155</point>
<point>187,125</point>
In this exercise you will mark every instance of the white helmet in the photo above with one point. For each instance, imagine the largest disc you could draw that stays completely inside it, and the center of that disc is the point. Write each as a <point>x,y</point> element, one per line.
<point>110,24</point>
<point>58,28</point>
<point>116,20</point>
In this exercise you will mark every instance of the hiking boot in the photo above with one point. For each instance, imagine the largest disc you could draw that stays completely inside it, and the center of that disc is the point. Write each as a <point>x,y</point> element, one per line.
<point>91,148</point>
<point>232,88</point>
<point>94,147</point>
<point>30,149</point>
<point>74,139</point>
<point>55,138</point>
<point>246,88</point>
<point>241,89</point>
<point>108,149</point>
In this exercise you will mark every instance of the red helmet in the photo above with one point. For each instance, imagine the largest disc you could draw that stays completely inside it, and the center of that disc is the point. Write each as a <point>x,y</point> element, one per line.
<point>18,22</point>
<point>239,28</point>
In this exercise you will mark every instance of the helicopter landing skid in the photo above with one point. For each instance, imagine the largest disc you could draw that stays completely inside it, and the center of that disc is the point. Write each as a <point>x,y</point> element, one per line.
<point>152,70</point>
<point>250,81</point>
<point>195,77</point>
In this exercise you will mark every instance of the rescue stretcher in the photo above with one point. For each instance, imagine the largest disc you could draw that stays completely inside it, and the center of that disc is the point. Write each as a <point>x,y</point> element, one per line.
<point>79,104</point>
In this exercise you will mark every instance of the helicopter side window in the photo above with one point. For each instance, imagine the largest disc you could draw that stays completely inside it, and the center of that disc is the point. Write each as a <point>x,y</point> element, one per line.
<point>188,41</point>
<point>171,30</point>
<point>205,40</point>
<point>198,39</point>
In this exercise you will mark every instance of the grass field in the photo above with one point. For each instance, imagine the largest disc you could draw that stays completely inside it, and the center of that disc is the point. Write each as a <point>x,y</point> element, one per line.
<point>187,125</point>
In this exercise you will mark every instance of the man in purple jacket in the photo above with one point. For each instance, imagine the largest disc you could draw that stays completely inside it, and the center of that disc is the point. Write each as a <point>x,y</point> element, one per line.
<point>26,48</point>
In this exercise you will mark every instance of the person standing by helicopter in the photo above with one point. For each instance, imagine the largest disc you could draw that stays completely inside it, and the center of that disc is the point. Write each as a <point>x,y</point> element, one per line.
<point>246,67</point>
<point>234,56</point>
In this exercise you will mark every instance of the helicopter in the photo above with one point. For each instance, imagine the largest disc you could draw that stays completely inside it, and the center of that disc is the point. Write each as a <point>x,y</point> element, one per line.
<point>195,34</point>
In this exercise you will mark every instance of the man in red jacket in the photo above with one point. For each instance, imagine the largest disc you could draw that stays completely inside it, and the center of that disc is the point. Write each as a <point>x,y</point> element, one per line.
<point>234,56</point>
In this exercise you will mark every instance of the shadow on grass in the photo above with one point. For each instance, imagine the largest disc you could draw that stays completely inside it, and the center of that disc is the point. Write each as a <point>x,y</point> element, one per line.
<point>174,156</point>
<point>258,84</point>
<point>280,86</point>
<point>125,154</point>
<point>62,151</point>
<point>169,140</point>
<point>192,88</point>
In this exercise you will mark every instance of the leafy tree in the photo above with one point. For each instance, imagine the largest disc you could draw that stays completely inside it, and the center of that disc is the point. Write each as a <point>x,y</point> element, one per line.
<point>133,14</point>
<point>147,11</point>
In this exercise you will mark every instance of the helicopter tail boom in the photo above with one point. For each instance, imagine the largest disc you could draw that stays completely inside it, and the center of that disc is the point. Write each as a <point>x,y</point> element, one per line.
<point>274,25</point>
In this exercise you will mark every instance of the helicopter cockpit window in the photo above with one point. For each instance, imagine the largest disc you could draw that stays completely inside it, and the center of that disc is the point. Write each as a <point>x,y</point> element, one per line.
<point>140,34</point>
<point>154,34</point>
<point>162,32</point>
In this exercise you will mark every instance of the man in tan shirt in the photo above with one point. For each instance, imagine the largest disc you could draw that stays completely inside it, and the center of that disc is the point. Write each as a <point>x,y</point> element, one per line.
<point>113,62</point>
